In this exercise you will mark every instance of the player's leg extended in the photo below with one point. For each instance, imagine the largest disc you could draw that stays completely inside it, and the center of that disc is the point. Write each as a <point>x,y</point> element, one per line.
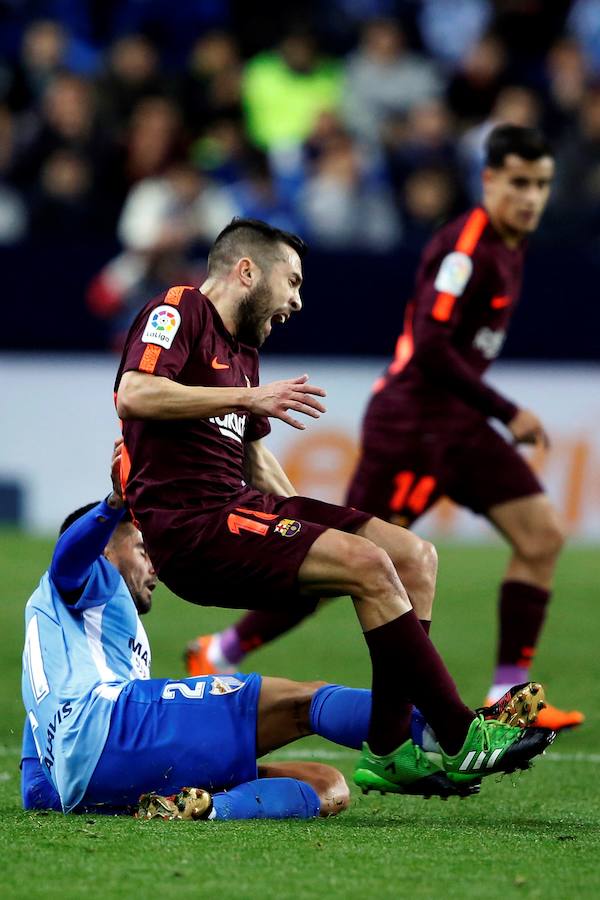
<point>533,528</point>
<point>291,709</point>
<point>405,665</point>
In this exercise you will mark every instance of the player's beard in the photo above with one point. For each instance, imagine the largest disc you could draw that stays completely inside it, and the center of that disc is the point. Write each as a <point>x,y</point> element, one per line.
<point>253,312</point>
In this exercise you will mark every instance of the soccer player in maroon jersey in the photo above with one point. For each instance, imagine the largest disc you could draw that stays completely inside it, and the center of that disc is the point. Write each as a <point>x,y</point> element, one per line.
<point>223,527</point>
<point>426,432</point>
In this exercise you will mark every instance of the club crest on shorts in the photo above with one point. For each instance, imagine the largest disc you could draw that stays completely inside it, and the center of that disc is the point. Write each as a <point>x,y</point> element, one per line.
<point>288,527</point>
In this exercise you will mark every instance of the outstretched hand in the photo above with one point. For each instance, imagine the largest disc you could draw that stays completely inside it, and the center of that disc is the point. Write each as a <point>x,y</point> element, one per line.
<point>275,399</point>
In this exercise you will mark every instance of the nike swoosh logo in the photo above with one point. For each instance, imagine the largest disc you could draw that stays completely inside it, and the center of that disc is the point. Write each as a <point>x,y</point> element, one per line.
<point>217,365</point>
<point>501,302</point>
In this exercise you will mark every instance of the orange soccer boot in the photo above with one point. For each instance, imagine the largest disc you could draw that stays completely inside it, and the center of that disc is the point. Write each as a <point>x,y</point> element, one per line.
<point>196,658</point>
<point>559,719</point>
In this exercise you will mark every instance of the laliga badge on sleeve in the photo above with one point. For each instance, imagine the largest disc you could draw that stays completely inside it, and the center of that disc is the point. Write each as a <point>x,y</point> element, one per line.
<point>162,326</point>
<point>454,274</point>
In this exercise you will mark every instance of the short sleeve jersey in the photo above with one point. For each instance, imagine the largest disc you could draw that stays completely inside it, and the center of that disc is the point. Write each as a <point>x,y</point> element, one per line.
<point>467,286</point>
<point>179,468</point>
<point>76,661</point>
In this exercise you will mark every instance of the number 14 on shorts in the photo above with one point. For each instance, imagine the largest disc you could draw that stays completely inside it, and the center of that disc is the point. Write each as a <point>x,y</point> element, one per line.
<point>411,492</point>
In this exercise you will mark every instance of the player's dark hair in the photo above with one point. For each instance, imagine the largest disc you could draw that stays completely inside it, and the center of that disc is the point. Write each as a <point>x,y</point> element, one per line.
<point>78,513</point>
<point>253,238</point>
<point>528,143</point>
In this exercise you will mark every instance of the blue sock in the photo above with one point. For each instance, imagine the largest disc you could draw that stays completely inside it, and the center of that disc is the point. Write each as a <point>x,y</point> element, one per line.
<point>341,714</point>
<point>268,798</point>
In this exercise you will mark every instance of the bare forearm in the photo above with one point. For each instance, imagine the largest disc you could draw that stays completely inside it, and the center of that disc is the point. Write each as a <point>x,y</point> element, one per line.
<point>143,396</point>
<point>264,472</point>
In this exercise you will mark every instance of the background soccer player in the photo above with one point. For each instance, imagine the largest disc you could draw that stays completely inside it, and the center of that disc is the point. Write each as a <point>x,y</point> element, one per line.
<point>426,432</point>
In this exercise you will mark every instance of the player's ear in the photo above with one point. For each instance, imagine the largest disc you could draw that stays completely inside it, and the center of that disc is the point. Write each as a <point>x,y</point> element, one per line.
<point>246,271</point>
<point>110,553</point>
<point>488,176</point>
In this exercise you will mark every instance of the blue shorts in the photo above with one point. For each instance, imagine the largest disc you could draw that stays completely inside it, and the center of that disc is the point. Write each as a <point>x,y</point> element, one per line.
<point>167,734</point>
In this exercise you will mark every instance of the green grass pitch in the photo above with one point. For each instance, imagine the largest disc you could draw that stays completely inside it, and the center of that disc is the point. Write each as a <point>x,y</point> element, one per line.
<point>536,837</point>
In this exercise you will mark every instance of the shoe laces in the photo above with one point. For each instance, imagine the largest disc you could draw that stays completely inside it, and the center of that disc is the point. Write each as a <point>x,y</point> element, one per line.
<point>422,761</point>
<point>491,730</point>
<point>486,738</point>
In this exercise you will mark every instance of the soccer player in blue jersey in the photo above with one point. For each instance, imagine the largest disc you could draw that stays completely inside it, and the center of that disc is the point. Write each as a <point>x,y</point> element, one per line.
<point>99,732</point>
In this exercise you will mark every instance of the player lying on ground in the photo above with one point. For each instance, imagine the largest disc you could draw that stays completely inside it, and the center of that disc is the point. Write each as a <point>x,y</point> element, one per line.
<point>217,512</point>
<point>100,732</point>
<point>426,432</point>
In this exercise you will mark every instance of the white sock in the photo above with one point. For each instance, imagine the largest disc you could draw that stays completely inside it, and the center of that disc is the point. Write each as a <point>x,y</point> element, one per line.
<point>217,658</point>
<point>215,654</point>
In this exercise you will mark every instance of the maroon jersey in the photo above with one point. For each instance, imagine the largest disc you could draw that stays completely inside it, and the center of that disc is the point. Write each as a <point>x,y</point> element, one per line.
<point>467,286</point>
<point>176,469</point>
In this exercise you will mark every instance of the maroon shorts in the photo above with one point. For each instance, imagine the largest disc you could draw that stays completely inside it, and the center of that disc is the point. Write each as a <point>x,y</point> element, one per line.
<point>405,473</point>
<point>247,554</point>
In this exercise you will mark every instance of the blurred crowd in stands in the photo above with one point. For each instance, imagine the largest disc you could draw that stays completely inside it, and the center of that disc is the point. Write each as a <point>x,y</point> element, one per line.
<point>357,123</point>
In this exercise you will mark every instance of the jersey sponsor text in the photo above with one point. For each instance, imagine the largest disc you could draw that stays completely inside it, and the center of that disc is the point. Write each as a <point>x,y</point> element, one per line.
<point>232,425</point>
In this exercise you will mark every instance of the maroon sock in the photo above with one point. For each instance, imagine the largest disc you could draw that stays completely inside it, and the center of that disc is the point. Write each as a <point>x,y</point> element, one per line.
<point>407,665</point>
<point>259,626</point>
<point>522,613</point>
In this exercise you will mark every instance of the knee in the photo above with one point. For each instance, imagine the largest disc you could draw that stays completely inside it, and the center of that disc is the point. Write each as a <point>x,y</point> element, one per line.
<point>427,561</point>
<point>418,567</point>
<point>370,568</point>
<point>544,542</point>
<point>332,790</point>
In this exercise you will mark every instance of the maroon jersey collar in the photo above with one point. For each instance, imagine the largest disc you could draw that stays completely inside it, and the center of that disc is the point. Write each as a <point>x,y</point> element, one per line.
<point>220,325</point>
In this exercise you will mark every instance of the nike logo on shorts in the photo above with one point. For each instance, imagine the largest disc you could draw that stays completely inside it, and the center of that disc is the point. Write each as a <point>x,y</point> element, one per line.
<point>217,365</point>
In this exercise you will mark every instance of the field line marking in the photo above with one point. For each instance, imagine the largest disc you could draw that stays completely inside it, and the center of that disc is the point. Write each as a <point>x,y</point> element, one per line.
<point>305,753</point>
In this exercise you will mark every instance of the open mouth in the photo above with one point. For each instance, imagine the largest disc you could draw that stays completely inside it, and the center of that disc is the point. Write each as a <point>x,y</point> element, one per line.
<point>279,319</point>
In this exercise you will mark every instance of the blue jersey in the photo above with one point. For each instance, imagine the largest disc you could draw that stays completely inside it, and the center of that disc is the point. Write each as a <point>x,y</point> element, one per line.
<point>76,661</point>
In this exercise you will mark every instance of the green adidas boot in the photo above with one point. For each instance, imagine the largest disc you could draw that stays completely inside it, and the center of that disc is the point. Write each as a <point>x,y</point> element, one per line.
<point>491,746</point>
<point>408,770</point>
